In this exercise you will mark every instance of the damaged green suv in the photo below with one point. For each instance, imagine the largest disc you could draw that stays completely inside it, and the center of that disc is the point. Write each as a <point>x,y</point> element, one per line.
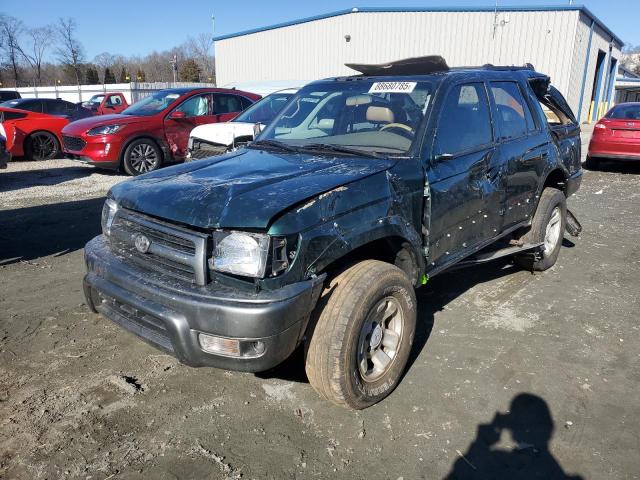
<point>317,233</point>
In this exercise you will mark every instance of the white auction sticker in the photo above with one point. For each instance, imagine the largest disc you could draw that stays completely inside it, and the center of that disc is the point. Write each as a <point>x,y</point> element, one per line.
<point>392,87</point>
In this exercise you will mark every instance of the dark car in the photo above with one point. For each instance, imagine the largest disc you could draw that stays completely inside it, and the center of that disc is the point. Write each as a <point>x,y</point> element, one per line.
<point>9,95</point>
<point>154,130</point>
<point>616,136</point>
<point>319,231</point>
<point>5,156</point>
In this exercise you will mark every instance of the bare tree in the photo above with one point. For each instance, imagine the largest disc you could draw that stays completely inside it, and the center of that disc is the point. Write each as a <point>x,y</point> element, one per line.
<point>40,40</point>
<point>10,31</point>
<point>200,48</point>
<point>70,52</point>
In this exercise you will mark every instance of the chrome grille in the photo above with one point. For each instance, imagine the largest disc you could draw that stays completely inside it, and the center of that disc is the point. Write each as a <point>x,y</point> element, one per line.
<point>171,249</point>
<point>73,143</point>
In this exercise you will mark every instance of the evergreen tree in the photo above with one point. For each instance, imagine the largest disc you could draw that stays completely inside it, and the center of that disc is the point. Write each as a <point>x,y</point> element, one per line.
<point>190,71</point>
<point>109,77</point>
<point>91,76</point>
<point>123,76</point>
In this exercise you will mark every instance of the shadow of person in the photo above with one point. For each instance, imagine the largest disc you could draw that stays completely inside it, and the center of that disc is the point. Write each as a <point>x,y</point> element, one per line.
<point>531,426</point>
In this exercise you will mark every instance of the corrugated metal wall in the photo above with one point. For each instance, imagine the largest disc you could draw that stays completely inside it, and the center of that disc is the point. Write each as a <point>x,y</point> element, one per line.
<point>555,42</point>
<point>600,41</point>
<point>318,49</point>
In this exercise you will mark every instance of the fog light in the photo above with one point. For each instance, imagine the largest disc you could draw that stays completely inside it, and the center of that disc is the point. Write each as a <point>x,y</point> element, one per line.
<point>219,345</point>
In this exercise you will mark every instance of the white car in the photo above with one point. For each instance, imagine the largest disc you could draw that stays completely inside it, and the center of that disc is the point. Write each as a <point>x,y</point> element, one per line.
<point>218,138</point>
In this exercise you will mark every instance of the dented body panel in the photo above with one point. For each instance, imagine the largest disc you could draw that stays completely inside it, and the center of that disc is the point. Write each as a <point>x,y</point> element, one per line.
<point>427,209</point>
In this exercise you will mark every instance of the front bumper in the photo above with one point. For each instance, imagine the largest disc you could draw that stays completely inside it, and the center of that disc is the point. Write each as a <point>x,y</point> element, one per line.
<point>170,314</point>
<point>101,151</point>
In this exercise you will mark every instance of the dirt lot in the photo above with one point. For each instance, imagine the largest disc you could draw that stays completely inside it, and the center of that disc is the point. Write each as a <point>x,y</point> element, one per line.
<point>80,398</point>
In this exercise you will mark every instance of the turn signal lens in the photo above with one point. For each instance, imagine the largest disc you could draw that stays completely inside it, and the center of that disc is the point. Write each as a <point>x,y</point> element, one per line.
<point>219,345</point>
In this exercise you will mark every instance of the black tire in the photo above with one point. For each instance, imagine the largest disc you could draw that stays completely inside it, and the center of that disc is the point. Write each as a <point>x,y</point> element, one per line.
<point>339,339</point>
<point>41,145</point>
<point>591,163</point>
<point>141,156</point>
<point>550,200</point>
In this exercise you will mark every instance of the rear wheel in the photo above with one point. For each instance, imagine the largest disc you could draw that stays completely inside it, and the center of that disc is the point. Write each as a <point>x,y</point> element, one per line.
<point>41,146</point>
<point>365,323</point>
<point>141,156</point>
<point>547,227</point>
<point>591,163</point>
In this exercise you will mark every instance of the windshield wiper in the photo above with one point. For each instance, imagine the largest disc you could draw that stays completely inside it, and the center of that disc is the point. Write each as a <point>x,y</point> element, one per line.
<point>329,147</point>
<point>273,144</point>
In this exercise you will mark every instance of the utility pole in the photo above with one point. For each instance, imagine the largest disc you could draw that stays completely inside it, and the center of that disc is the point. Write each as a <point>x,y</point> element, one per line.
<point>174,67</point>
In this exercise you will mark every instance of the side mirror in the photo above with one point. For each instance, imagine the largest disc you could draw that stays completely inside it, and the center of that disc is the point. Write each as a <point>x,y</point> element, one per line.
<point>325,124</point>
<point>177,115</point>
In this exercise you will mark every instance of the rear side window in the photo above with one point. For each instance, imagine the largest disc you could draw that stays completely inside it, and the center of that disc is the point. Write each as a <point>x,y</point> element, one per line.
<point>514,118</point>
<point>226,104</point>
<point>465,121</point>
<point>59,107</point>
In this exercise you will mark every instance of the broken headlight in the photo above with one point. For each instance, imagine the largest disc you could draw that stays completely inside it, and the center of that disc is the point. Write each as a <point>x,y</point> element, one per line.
<point>248,254</point>
<point>109,210</point>
<point>240,253</point>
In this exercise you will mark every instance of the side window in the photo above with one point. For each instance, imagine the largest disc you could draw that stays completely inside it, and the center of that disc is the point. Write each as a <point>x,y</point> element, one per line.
<point>31,105</point>
<point>114,101</point>
<point>514,117</point>
<point>465,121</point>
<point>226,104</point>
<point>196,106</point>
<point>246,103</point>
<point>58,107</point>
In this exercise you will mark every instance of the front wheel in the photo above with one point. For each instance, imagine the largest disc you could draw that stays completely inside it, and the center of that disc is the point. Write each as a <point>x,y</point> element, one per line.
<point>547,227</point>
<point>42,146</point>
<point>362,336</point>
<point>141,156</point>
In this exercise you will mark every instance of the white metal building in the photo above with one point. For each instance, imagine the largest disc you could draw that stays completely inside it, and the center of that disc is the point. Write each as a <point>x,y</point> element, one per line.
<point>568,43</point>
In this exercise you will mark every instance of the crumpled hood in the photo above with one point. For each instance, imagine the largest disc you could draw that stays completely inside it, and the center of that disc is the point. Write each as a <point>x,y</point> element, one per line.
<point>222,133</point>
<point>81,126</point>
<point>245,189</point>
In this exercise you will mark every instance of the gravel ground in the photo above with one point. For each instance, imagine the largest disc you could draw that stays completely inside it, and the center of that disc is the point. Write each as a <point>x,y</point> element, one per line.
<point>24,183</point>
<point>529,376</point>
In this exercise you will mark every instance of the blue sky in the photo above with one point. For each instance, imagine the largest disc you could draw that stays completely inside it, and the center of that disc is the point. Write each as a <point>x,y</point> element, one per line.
<point>141,26</point>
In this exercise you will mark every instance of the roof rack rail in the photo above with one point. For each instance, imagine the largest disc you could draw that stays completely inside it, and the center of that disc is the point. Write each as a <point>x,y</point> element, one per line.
<point>490,66</point>
<point>408,66</point>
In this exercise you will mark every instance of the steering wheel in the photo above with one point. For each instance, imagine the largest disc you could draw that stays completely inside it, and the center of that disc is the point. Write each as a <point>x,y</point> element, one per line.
<point>401,126</point>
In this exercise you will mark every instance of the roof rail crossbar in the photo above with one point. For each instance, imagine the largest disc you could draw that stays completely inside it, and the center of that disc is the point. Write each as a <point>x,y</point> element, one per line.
<point>408,66</point>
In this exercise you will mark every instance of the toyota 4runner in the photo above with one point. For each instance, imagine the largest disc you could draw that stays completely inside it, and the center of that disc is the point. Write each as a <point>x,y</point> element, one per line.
<point>318,232</point>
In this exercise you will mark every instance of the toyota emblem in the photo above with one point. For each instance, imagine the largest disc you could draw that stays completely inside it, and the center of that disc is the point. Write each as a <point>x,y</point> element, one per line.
<point>142,243</point>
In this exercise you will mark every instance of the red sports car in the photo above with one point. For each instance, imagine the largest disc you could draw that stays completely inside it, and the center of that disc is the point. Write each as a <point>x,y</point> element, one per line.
<point>616,136</point>
<point>33,126</point>
<point>154,130</point>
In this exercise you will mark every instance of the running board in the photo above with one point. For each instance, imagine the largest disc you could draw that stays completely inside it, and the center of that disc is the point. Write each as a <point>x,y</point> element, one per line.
<point>572,226</point>
<point>497,254</point>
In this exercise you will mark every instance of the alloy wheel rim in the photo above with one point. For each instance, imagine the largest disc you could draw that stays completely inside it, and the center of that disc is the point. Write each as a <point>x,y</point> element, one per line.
<point>143,158</point>
<point>43,147</point>
<point>380,338</point>
<point>553,231</point>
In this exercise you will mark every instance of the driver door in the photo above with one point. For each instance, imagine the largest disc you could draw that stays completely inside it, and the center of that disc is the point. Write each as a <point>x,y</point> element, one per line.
<point>195,110</point>
<point>463,198</point>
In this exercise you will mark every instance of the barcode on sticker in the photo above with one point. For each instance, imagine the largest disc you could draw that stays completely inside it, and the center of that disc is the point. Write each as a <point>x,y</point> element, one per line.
<point>392,87</point>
